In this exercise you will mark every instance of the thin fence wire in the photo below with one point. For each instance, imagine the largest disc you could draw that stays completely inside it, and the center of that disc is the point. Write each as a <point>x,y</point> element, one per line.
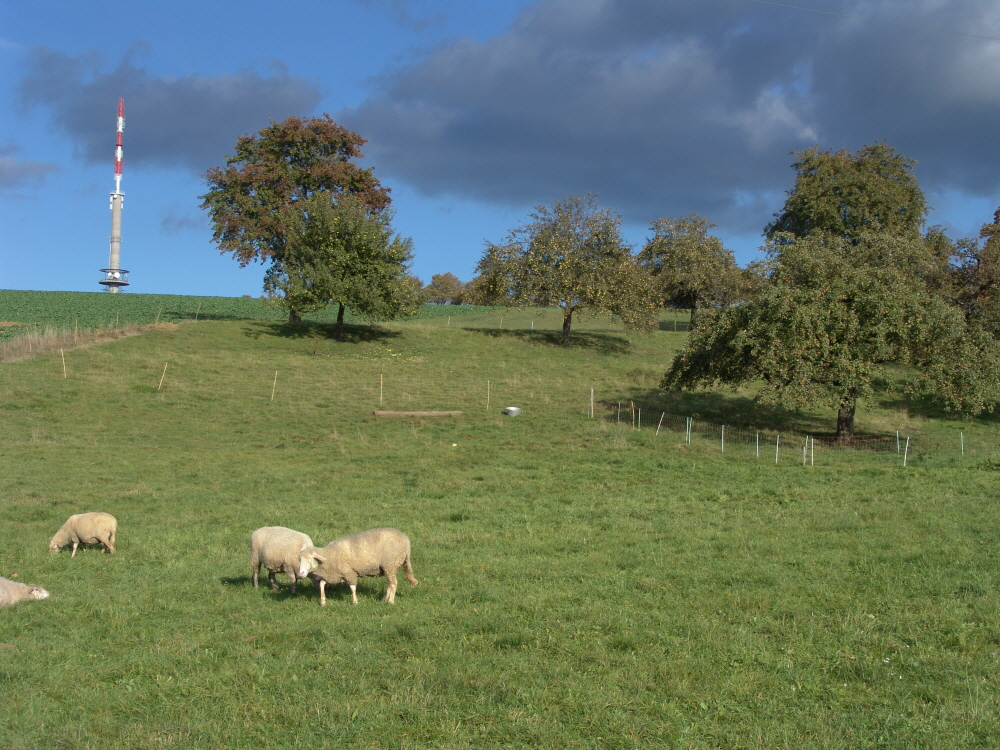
<point>768,443</point>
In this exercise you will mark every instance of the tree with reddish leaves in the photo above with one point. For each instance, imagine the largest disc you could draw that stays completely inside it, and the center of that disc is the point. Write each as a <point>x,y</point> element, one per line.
<point>251,200</point>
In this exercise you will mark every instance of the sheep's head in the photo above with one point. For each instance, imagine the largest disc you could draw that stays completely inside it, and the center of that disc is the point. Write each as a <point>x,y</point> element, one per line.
<point>54,546</point>
<point>309,559</point>
<point>37,592</point>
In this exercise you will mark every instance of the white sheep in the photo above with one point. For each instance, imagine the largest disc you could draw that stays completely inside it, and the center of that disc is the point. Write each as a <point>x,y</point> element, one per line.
<point>367,554</point>
<point>12,592</point>
<point>277,549</point>
<point>86,528</point>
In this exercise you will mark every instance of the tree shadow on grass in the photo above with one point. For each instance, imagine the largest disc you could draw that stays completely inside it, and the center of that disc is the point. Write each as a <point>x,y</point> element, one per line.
<point>929,407</point>
<point>729,409</point>
<point>601,343</point>
<point>353,334</point>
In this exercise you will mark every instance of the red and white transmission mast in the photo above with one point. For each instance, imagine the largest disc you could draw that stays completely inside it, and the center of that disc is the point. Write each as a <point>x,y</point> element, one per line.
<point>116,277</point>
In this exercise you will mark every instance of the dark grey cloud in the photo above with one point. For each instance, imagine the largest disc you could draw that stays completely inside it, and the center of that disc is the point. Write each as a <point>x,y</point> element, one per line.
<point>188,121</point>
<point>177,220</point>
<point>15,173</point>
<point>667,107</point>
<point>403,14</point>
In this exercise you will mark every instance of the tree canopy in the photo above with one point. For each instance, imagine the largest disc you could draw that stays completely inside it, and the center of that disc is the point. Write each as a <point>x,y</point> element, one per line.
<point>845,194</point>
<point>571,255</point>
<point>270,171</point>
<point>852,290</point>
<point>975,277</point>
<point>446,289</point>
<point>834,317</point>
<point>691,268</point>
<point>343,253</point>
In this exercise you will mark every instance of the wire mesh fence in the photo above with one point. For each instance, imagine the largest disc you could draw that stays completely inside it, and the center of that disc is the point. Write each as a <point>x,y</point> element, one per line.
<point>736,436</point>
<point>778,445</point>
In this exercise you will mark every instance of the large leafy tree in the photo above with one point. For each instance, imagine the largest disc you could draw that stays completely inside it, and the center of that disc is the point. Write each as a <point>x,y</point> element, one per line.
<point>571,255</point>
<point>270,171</point>
<point>837,313</point>
<point>690,267</point>
<point>847,194</point>
<point>854,288</point>
<point>345,253</point>
<point>446,289</point>
<point>975,277</point>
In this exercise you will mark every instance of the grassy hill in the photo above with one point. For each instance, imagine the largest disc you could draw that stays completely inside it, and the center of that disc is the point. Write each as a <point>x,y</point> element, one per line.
<point>583,583</point>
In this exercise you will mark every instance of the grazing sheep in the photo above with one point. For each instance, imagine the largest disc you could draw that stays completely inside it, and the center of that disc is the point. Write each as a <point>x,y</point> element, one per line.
<point>12,592</point>
<point>366,554</point>
<point>86,528</point>
<point>277,549</point>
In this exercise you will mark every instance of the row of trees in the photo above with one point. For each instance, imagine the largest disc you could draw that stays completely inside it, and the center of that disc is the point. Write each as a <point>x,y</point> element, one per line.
<point>292,197</point>
<point>852,284</point>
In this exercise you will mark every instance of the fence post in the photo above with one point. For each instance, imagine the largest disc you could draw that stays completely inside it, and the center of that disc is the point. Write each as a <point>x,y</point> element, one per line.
<point>961,438</point>
<point>777,440</point>
<point>906,451</point>
<point>812,453</point>
<point>723,438</point>
<point>660,423</point>
<point>897,442</point>
<point>758,444</point>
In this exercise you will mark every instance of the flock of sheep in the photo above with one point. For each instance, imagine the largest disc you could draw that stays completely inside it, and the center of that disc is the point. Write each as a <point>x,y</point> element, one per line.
<point>371,553</point>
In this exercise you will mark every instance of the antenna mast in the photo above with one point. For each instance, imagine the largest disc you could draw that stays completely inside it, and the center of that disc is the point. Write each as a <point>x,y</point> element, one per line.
<point>116,277</point>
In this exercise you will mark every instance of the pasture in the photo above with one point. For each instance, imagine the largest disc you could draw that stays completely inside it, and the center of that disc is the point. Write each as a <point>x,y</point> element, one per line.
<point>583,583</point>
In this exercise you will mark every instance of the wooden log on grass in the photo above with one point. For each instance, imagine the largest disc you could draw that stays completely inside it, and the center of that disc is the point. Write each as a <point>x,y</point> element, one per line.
<point>380,413</point>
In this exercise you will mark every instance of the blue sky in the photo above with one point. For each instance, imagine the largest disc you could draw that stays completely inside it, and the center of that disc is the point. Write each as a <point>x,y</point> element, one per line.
<point>475,111</point>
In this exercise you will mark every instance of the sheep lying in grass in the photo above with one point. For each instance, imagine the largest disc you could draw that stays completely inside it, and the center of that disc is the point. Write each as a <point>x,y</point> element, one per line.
<point>366,554</point>
<point>86,528</point>
<point>277,549</point>
<point>12,592</point>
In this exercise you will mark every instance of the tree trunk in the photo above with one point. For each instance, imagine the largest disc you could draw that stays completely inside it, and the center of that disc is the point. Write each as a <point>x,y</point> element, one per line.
<point>845,417</point>
<point>340,323</point>
<point>294,317</point>
<point>567,321</point>
<point>694,318</point>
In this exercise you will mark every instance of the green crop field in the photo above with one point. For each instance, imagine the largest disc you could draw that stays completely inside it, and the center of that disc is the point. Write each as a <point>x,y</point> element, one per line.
<point>582,583</point>
<point>20,310</point>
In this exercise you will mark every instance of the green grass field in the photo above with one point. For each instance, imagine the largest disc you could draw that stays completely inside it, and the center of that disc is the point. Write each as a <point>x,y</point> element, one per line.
<point>21,310</point>
<point>583,584</point>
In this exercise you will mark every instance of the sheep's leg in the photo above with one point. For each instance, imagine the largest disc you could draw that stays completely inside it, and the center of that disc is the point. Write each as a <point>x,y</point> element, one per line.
<point>322,592</point>
<point>292,578</point>
<point>354,592</point>
<point>256,572</point>
<point>271,578</point>
<point>110,545</point>
<point>74,549</point>
<point>390,589</point>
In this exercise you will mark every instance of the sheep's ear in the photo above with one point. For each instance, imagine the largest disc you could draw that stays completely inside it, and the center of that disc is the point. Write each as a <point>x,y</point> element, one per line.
<point>319,558</point>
